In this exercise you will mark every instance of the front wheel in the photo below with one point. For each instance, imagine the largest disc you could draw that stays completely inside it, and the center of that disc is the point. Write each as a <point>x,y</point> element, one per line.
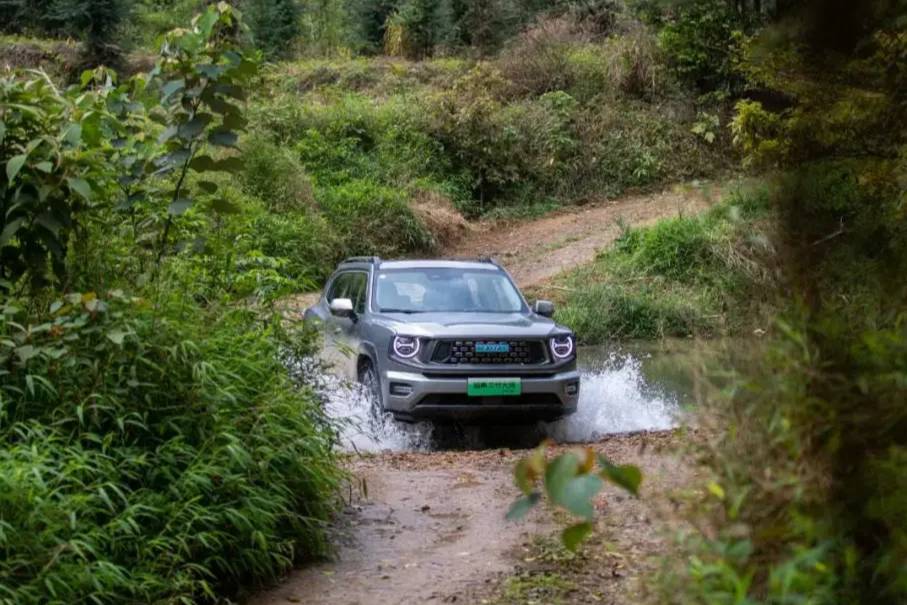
<point>368,378</point>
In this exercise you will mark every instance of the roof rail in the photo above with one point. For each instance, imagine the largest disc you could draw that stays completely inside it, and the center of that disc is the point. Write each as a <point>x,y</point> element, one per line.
<point>362,259</point>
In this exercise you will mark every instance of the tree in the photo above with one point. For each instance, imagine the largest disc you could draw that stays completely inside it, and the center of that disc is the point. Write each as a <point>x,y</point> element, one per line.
<point>274,25</point>
<point>97,22</point>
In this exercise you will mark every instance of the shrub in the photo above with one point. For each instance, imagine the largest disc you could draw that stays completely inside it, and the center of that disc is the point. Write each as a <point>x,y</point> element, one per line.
<point>306,242</point>
<point>509,152</point>
<point>609,311</point>
<point>538,60</point>
<point>152,452</point>
<point>636,66</point>
<point>274,25</point>
<point>703,40</point>
<point>683,276</point>
<point>677,249</point>
<point>274,174</point>
<point>373,219</point>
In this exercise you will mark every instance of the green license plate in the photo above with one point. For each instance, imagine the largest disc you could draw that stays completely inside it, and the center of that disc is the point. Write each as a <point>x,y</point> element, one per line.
<point>484,387</point>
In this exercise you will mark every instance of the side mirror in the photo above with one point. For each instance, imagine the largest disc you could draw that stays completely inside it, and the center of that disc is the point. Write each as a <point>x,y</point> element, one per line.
<point>545,308</point>
<point>342,307</point>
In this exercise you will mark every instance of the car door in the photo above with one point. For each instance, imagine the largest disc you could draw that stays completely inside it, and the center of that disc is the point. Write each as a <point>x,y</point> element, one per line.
<point>342,333</point>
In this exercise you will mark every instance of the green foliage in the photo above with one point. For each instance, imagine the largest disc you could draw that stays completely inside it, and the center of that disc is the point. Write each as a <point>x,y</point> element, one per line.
<point>54,144</point>
<point>275,175</point>
<point>529,130</point>
<point>684,276</point>
<point>274,25</point>
<point>571,481</point>
<point>152,452</point>
<point>97,22</point>
<point>152,19</point>
<point>154,448</point>
<point>201,77</point>
<point>677,249</point>
<point>67,149</point>
<point>804,503</point>
<point>372,219</point>
<point>417,27</point>
<point>703,40</point>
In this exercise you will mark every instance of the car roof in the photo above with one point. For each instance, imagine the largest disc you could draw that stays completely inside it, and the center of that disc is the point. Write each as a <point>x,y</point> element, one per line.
<point>439,264</point>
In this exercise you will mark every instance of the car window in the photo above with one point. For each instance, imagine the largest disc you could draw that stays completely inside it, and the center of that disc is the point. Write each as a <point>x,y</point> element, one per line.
<point>352,285</point>
<point>358,287</point>
<point>446,290</point>
<point>339,287</point>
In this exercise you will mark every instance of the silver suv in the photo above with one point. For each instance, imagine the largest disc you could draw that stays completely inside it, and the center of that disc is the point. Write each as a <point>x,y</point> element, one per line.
<point>446,339</point>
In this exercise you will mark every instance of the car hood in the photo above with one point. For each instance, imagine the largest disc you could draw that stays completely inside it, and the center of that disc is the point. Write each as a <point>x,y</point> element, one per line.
<point>477,325</point>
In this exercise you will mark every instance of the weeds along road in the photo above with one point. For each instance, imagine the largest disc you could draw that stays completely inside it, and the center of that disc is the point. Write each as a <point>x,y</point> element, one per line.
<point>429,527</point>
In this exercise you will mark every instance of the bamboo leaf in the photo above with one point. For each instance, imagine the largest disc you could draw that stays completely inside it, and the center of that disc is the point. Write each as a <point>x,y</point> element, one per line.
<point>14,165</point>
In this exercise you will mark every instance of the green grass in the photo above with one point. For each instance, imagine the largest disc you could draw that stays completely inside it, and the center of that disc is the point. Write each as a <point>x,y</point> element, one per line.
<point>548,587</point>
<point>685,276</point>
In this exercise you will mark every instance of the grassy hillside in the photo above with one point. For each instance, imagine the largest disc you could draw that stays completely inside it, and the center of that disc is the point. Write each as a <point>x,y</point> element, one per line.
<point>706,276</point>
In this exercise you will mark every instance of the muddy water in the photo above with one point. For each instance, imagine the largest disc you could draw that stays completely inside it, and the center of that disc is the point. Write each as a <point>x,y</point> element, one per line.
<point>627,387</point>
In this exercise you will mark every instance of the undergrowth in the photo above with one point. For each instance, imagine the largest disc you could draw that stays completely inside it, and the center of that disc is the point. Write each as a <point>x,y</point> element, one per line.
<point>705,275</point>
<point>153,446</point>
<point>154,452</point>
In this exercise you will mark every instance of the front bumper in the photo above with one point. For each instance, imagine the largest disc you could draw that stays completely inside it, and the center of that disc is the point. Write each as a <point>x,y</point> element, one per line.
<point>415,396</point>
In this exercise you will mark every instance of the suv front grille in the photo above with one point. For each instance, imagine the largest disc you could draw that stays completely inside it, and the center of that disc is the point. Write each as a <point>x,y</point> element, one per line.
<point>521,352</point>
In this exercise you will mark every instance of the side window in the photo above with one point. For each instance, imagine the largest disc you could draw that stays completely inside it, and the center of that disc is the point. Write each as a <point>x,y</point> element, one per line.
<point>358,288</point>
<point>340,287</point>
<point>352,285</point>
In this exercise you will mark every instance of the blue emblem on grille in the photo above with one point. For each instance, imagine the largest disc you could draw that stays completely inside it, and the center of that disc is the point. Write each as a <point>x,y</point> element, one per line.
<point>492,347</point>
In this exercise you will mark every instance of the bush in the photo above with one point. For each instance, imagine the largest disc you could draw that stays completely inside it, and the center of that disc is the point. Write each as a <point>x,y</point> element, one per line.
<point>305,241</point>
<point>274,174</point>
<point>372,219</point>
<point>603,312</point>
<point>152,452</point>
<point>703,40</point>
<point>683,276</point>
<point>538,60</point>
<point>678,249</point>
<point>274,25</point>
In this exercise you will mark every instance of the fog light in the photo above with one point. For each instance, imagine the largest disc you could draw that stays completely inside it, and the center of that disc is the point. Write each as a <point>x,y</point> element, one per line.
<point>572,388</point>
<point>400,389</point>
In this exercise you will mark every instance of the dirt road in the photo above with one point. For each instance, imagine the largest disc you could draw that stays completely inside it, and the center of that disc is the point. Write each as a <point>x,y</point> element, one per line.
<point>534,251</point>
<point>432,530</point>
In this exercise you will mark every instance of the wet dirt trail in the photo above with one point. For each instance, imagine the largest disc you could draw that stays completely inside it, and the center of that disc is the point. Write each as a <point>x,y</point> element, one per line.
<point>432,530</point>
<point>429,526</point>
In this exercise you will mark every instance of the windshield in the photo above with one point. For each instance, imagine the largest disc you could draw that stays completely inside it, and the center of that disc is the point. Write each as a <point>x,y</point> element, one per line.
<point>433,290</point>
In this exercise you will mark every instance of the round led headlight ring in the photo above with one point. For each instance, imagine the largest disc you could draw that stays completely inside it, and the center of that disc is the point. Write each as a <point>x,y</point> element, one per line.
<point>562,347</point>
<point>406,347</point>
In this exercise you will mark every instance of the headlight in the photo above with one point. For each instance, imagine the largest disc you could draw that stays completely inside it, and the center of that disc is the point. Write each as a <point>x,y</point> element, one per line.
<point>562,346</point>
<point>406,347</point>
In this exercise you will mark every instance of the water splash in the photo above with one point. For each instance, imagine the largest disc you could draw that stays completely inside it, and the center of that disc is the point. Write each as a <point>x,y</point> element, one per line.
<point>615,397</point>
<point>349,406</point>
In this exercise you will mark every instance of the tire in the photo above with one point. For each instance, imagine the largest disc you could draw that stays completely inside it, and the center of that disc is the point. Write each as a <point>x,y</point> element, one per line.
<point>369,378</point>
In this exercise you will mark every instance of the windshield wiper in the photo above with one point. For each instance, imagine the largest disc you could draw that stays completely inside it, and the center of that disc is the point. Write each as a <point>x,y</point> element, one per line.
<point>408,311</point>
